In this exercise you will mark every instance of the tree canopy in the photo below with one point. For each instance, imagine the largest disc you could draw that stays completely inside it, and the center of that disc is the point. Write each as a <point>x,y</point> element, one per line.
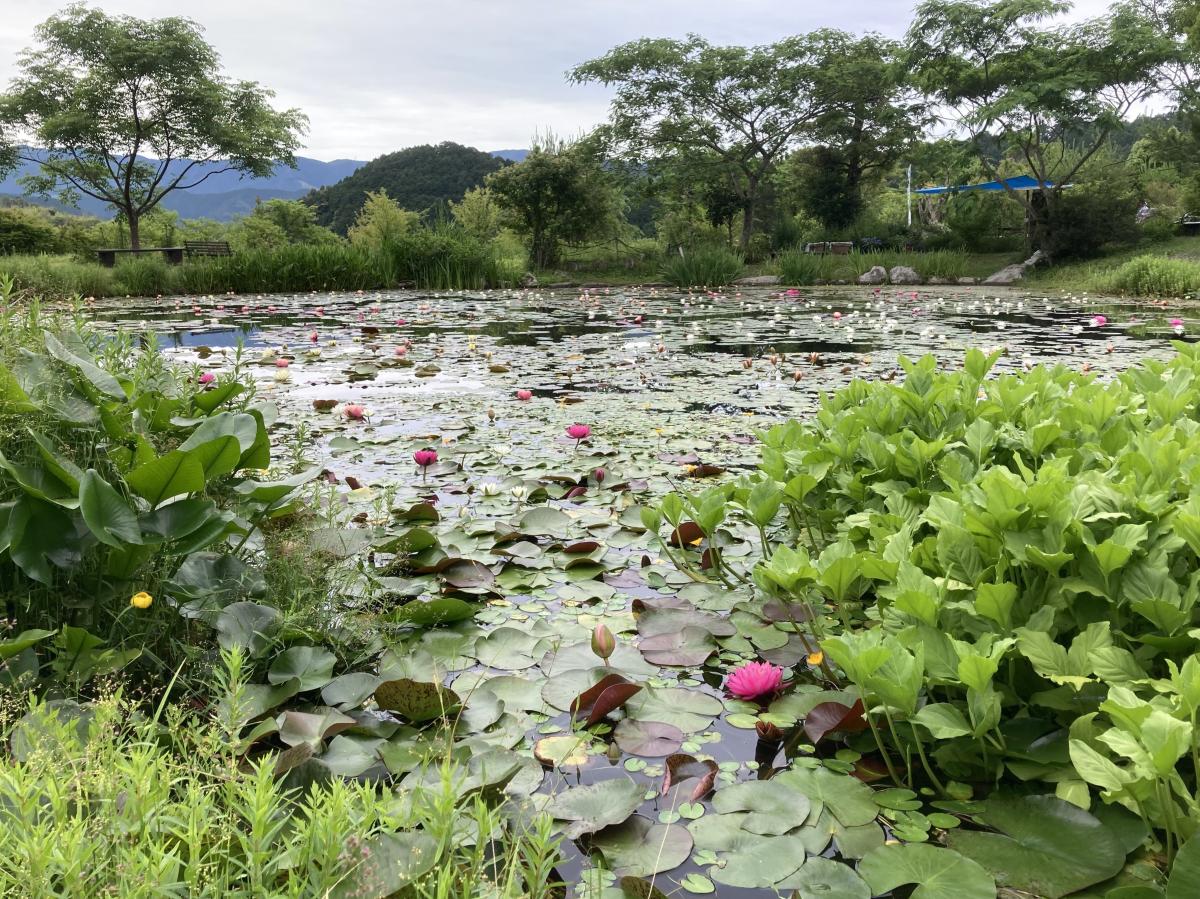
<point>127,110</point>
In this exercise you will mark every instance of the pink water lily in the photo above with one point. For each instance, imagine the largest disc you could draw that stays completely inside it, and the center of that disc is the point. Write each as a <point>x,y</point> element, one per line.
<point>754,679</point>
<point>424,458</point>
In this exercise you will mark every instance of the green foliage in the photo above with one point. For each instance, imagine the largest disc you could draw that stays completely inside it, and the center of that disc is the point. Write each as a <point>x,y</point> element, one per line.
<point>703,267</point>
<point>381,222</point>
<point>418,179</point>
<point>1153,276</point>
<point>560,194</point>
<point>170,801</point>
<point>797,268</point>
<point>26,230</point>
<point>117,475</point>
<point>101,92</point>
<point>1003,569</point>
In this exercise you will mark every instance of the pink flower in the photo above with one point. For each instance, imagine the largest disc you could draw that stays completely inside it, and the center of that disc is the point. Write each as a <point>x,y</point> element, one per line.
<point>754,679</point>
<point>1099,321</point>
<point>282,363</point>
<point>578,431</point>
<point>524,395</point>
<point>425,457</point>
<point>207,378</point>
<point>355,412</point>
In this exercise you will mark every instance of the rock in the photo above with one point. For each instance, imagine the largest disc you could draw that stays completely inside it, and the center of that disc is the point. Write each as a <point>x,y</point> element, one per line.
<point>758,281</point>
<point>876,274</point>
<point>529,279</point>
<point>902,274</point>
<point>967,280</point>
<point>1010,274</point>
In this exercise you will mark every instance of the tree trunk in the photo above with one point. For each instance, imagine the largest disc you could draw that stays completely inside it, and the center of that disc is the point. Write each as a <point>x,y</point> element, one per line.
<point>135,242</point>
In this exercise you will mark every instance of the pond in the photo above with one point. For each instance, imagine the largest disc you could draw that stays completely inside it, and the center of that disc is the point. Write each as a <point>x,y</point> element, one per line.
<point>520,537</point>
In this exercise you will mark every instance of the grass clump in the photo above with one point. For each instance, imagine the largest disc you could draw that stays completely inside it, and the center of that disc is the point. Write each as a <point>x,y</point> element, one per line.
<point>703,267</point>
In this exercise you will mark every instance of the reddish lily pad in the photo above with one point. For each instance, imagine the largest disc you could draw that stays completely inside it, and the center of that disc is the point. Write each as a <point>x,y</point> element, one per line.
<point>647,738</point>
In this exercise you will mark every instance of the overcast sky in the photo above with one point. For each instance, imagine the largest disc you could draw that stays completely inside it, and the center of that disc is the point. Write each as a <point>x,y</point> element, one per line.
<point>375,76</point>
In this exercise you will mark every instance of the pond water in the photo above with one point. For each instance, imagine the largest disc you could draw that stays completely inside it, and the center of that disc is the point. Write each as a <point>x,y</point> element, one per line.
<point>673,386</point>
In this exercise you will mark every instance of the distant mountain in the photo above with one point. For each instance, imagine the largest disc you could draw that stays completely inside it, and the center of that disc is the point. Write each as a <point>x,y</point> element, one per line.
<point>511,155</point>
<point>417,178</point>
<point>221,196</point>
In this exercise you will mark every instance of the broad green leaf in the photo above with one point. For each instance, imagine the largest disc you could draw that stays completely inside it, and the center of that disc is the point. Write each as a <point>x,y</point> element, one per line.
<point>107,514</point>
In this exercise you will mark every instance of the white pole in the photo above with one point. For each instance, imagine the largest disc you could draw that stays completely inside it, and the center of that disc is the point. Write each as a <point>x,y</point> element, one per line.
<point>908,195</point>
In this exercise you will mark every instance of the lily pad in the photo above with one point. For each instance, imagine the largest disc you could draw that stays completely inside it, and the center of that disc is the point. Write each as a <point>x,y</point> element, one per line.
<point>641,848</point>
<point>938,873</point>
<point>416,700</point>
<point>593,807</point>
<point>1038,845</point>
<point>647,738</point>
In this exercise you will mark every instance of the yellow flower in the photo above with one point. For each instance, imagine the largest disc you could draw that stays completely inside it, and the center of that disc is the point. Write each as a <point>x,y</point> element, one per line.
<point>141,600</point>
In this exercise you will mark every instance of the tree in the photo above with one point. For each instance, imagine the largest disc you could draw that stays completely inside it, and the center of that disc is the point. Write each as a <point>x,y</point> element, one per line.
<point>127,110</point>
<point>1040,91</point>
<point>740,109</point>
<point>381,222</point>
<point>872,117</point>
<point>477,213</point>
<point>560,193</point>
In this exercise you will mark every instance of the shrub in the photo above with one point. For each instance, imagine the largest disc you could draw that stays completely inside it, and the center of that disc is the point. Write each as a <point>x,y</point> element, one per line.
<point>1153,276</point>
<point>703,267</point>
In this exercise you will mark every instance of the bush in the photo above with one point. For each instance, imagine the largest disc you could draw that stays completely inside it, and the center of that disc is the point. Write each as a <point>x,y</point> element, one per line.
<point>703,267</point>
<point>1153,276</point>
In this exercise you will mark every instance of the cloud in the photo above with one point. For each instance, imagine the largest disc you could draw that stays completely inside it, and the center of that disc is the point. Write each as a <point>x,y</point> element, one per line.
<point>376,76</point>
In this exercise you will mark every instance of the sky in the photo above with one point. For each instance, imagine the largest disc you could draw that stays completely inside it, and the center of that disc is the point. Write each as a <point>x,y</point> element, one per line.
<point>375,76</point>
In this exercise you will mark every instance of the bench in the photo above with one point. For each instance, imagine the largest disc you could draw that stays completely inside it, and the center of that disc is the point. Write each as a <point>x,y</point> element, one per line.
<point>836,247</point>
<point>108,257</point>
<point>207,248</point>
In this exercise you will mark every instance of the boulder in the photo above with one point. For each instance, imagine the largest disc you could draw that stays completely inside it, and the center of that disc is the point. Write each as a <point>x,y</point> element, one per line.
<point>876,274</point>
<point>758,281</point>
<point>902,274</point>
<point>529,279</point>
<point>1010,274</point>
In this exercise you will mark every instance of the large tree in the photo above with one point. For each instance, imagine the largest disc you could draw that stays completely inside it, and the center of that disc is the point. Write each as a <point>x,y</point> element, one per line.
<point>1046,94</point>
<point>738,109</point>
<point>560,193</point>
<point>127,110</point>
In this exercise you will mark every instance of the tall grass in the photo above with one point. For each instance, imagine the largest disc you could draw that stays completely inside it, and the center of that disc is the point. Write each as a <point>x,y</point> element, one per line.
<point>799,268</point>
<point>101,801</point>
<point>703,267</point>
<point>1151,276</point>
<point>434,259</point>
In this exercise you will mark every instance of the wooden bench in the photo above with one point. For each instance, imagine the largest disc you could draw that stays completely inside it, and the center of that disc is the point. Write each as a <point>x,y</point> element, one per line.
<point>108,257</point>
<point>207,248</point>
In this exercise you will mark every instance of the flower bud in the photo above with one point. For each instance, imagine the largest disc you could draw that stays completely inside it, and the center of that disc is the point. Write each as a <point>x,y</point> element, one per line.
<point>603,642</point>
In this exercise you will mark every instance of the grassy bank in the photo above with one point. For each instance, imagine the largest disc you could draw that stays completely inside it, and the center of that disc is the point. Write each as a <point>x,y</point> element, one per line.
<point>427,260</point>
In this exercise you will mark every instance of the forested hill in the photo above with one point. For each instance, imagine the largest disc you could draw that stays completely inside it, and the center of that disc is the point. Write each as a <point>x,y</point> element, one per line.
<point>417,178</point>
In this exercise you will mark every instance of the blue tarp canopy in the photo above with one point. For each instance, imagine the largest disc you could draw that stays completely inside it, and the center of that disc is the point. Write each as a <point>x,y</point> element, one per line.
<point>1021,182</point>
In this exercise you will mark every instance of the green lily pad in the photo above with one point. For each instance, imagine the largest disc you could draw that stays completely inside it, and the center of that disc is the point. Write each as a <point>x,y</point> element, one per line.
<point>938,873</point>
<point>774,807</point>
<point>593,807</point>
<point>416,700</point>
<point>1038,845</point>
<point>641,848</point>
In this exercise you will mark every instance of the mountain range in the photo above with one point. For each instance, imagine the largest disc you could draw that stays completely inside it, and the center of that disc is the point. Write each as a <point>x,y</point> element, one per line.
<point>227,195</point>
